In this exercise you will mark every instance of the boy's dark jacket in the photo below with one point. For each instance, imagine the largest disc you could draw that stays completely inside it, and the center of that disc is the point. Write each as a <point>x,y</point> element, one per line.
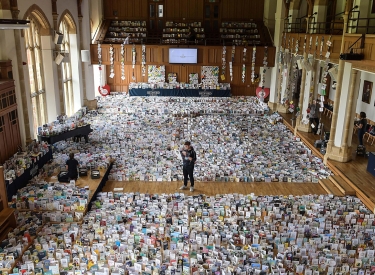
<point>189,153</point>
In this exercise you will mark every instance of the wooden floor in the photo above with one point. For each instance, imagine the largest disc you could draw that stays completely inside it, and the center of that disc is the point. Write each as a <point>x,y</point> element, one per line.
<point>213,188</point>
<point>354,170</point>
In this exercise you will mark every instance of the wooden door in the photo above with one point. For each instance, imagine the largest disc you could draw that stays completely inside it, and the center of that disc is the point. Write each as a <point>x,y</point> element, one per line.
<point>211,14</point>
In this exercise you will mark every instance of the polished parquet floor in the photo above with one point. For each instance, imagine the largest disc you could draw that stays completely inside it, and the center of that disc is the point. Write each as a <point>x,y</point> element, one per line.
<point>213,188</point>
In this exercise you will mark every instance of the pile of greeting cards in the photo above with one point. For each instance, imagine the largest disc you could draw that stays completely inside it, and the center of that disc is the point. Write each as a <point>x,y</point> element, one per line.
<point>235,140</point>
<point>193,84</point>
<point>53,201</point>
<point>18,240</point>
<point>23,160</point>
<point>63,124</point>
<point>153,234</point>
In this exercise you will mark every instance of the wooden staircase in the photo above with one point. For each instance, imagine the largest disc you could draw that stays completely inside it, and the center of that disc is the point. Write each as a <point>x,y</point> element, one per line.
<point>342,185</point>
<point>330,187</point>
<point>337,186</point>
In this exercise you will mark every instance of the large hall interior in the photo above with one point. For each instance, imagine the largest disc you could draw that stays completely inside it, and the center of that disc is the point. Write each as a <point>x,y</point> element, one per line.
<point>203,137</point>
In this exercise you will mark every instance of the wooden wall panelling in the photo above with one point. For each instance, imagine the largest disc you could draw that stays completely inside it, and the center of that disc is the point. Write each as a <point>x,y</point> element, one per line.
<point>241,10</point>
<point>184,7</point>
<point>207,56</point>
<point>16,136</point>
<point>171,10</point>
<point>164,55</point>
<point>336,45</point>
<point>115,10</point>
<point>137,10</point>
<point>126,10</point>
<point>107,9</point>
<point>194,10</point>
<point>8,134</point>
<point>3,146</point>
<point>160,54</point>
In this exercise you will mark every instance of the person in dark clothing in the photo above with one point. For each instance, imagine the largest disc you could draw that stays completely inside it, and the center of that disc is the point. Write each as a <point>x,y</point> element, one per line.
<point>361,127</point>
<point>189,158</point>
<point>72,167</point>
<point>314,116</point>
<point>191,35</point>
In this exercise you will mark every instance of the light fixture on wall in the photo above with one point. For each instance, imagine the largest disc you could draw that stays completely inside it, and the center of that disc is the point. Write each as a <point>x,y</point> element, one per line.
<point>58,38</point>
<point>59,58</point>
<point>85,55</point>
<point>14,24</point>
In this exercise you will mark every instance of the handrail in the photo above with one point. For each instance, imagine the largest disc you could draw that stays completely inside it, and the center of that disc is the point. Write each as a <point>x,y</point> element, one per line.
<point>367,27</point>
<point>96,32</point>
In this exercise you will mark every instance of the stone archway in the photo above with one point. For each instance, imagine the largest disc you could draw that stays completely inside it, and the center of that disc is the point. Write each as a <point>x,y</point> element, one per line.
<point>38,15</point>
<point>67,16</point>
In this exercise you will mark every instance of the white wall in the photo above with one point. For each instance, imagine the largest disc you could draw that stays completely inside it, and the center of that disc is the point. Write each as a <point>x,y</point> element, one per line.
<point>369,109</point>
<point>86,41</point>
<point>340,6</point>
<point>96,14</point>
<point>269,15</point>
<point>45,5</point>
<point>303,9</point>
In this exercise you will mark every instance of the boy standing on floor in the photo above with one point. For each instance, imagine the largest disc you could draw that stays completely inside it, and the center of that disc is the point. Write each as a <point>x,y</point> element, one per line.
<point>189,158</point>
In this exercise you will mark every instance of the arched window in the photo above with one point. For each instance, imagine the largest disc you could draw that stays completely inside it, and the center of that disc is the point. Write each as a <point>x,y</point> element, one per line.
<point>66,69</point>
<point>34,62</point>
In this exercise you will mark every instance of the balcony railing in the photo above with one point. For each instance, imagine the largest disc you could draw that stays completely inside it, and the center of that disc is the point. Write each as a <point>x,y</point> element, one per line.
<point>334,26</point>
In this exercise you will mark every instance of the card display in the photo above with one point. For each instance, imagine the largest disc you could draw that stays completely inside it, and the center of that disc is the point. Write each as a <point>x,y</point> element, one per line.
<point>193,78</point>
<point>135,233</point>
<point>156,74</point>
<point>172,77</point>
<point>234,138</point>
<point>210,75</point>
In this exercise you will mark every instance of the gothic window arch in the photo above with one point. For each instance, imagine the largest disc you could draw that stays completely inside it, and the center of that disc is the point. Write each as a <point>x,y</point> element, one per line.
<point>66,68</point>
<point>35,69</point>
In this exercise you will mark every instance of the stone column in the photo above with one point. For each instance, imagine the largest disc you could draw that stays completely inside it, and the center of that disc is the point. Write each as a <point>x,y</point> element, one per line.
<point>279,28</point>
<point>301,95</point>
<point>349,110</point>
<point>55,16</point>
<point>336,103</point>
<point>83,65</point>
<point>287,77</point>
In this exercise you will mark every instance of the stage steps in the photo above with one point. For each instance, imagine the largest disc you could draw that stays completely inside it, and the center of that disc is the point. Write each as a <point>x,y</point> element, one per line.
<point>330,187</point>
<point>342,185</point>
